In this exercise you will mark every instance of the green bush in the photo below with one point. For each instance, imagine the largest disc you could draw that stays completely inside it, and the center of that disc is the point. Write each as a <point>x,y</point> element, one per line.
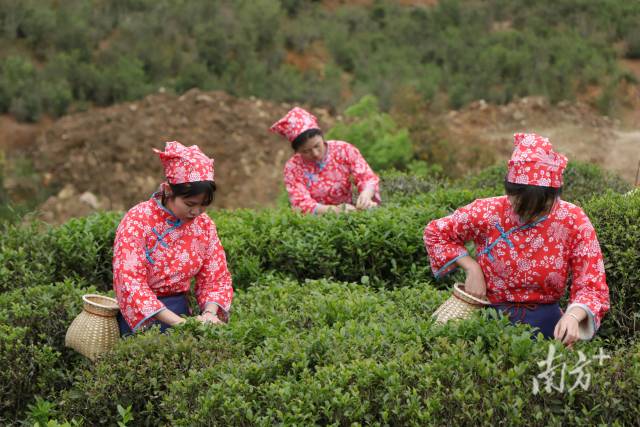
<point>28,370</point>
<point>371,247</point>
<point>25,257</point>
<point>142,369</point>
<point>465,51</point>
<point>376,358</point>
<point>375,134</point>
<point>45,311</point>
<point>138,373</point>
<point>38,254</point>
<point>615,218</point>
<point>382,247</point>
<point>396,185</point>
<point>633,43</point>
<point>321,352</point>
<point>33,324</point>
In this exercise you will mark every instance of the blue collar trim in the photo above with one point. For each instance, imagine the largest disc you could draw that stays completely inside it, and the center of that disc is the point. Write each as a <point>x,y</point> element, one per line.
<point>505,236</point>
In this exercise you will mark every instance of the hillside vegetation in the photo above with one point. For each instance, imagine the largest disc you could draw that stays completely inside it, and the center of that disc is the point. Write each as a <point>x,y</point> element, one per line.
<point>58,56</point>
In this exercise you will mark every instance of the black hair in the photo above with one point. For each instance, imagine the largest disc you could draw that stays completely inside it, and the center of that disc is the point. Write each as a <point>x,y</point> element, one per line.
<point>531,200</point>
<point>190,189</point>
<point>304,137</point>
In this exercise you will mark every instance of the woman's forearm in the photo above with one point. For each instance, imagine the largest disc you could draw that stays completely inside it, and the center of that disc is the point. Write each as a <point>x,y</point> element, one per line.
<point>322,209</point>
<point>169,317</point>
<point>467,263</point>
<point>579,313</point>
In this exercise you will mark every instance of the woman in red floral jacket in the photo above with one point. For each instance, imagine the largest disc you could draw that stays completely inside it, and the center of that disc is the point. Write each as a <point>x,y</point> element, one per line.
<point>318,176</point>
<point>528,243</point>
<point>165,242</point>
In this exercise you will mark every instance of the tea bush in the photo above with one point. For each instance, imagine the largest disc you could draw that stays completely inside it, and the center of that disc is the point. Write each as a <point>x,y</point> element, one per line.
<point>396,185</point>
<point>371,246</point>
<point>138,373</point>
<point>38,254</point>
<point>33,324</point>
<point>45,311</point>
<point>382,247</point>
<point>320,352</point>
<point>616,219</point>
<point>28,370</point>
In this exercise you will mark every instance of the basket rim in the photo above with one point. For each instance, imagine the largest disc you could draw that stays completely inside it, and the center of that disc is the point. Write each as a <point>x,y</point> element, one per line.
<point>87,299</point>
<point>458,289</point>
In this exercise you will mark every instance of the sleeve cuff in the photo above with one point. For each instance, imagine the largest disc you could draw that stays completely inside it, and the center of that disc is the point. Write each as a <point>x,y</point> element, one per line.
<point>443,271</point>
<point>140,323</point>
<point>586,328</point>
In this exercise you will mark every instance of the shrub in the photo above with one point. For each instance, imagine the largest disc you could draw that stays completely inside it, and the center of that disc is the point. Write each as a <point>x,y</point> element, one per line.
<point>375,134</point>
<point>28,370</point>
<point>633,43</point>
<point>137,373</point>
<point>33,324</point>
<point>25,257</point>
<point>322,352</point>
<point>395,185</point>
<point>84,248</point>
<point>122,80</point>
<point>376,358</point>
<point>615,218</point>
<point>45,311</point>
<point>37,254</point>
<point>370,246</point>
<point>464,52</point>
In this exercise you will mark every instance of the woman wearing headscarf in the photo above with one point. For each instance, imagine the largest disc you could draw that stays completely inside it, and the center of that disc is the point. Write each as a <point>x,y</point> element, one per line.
<point>318,176</point>
<point>165,242</point>
<point>528,243</point>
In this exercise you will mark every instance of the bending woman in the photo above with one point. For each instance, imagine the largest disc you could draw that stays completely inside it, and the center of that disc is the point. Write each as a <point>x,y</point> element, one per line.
<point>528,243</point>
<point>318,176</point>
<point>163,243</point>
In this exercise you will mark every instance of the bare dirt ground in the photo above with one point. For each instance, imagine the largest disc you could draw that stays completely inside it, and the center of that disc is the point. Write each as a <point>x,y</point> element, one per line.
<point>575,129</point>
<point>102,159</point>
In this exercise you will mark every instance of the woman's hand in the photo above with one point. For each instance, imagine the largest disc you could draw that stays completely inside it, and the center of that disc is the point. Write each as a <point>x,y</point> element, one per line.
<point>567,329</point>
<point>474,283</point>
<point>209,317</point>
<point>343,208</point>
<point>365,200</point>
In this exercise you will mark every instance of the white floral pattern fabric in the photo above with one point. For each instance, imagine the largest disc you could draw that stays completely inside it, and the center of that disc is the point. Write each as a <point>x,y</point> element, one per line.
<point>525,262</point>
<point>328,182</point>
<point>156,255</point>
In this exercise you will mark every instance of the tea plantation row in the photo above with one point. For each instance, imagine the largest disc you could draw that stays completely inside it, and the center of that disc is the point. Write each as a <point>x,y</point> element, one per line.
<point>316,352</point>
<point>326,351</point>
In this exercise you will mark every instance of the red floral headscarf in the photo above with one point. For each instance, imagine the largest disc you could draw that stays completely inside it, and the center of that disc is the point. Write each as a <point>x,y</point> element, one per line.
<point>185,164</point>
<point>534,162</point>
<point>296,121</point>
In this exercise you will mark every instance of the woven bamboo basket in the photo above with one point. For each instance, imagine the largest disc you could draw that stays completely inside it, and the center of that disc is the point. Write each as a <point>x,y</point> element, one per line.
<point>95,330</point>
<point>460,305</point>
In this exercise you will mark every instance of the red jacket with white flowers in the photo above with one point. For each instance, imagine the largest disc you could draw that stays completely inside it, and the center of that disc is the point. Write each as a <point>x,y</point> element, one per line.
<point>525,262</point>
<point>328,182</point>
<point>156,255</point>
